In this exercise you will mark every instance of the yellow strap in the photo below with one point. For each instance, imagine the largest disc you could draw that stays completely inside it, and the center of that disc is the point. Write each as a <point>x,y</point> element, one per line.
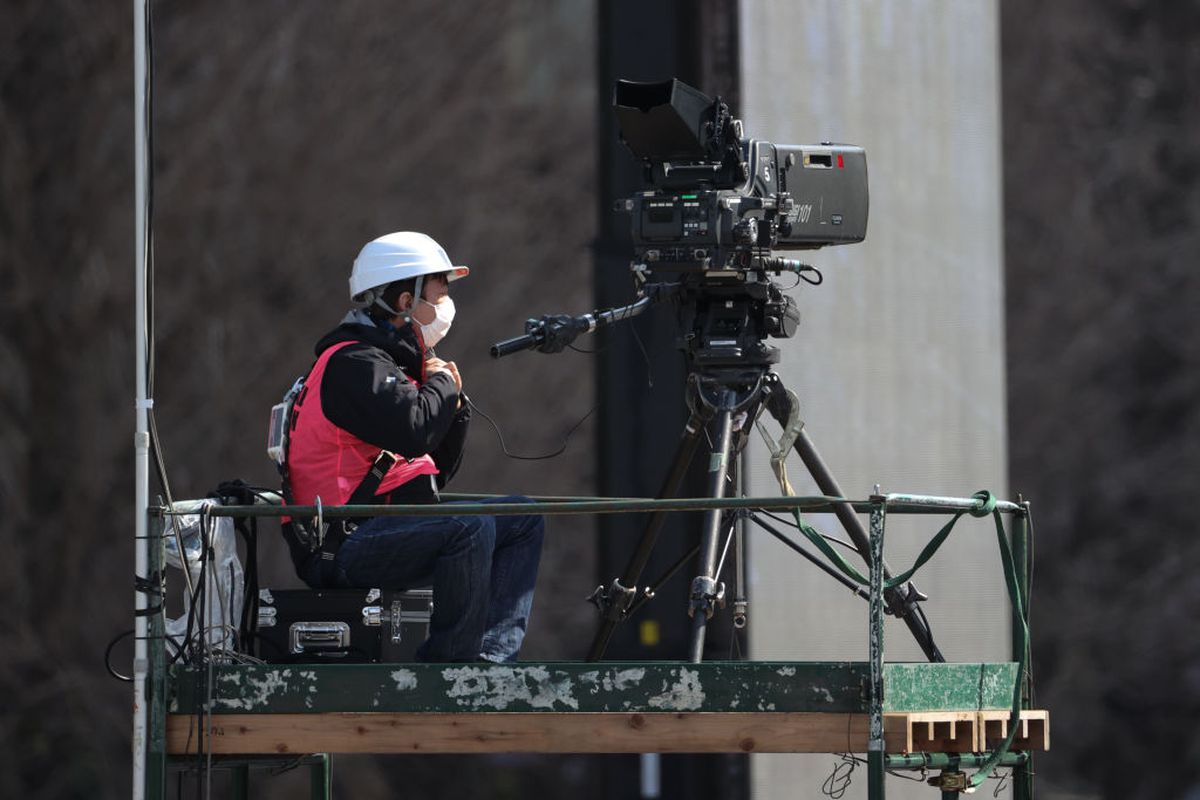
<point>779,452</point>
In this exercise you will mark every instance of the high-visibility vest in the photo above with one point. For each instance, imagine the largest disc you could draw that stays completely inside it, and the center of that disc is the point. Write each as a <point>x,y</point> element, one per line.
<point>329,462</point>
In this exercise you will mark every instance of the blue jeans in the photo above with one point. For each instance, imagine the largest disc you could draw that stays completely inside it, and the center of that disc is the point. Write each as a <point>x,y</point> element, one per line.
<point>482,570</point>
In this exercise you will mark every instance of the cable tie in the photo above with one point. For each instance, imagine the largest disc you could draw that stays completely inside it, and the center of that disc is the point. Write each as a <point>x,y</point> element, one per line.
<point>144,405</point>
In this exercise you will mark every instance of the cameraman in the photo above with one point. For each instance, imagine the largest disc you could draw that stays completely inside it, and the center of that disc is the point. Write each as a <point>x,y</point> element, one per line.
<point>376,390</point>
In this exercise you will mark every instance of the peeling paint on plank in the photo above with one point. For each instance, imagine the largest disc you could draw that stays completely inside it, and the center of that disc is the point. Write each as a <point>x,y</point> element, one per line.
<point>497,688</point>
<point>261,690</point>
<point>686,694</point>
<point>405,680</point>
<point>652,686</point>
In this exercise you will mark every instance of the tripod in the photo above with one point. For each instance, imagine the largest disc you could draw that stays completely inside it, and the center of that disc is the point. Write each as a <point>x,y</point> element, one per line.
<point>729,374</point>
<point>716,396</point>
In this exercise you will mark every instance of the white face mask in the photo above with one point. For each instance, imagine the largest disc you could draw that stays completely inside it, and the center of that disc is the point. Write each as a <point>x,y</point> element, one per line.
<point>435,331</point>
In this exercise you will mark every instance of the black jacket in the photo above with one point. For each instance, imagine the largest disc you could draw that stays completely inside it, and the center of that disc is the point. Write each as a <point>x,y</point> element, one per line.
<point>372,389</point>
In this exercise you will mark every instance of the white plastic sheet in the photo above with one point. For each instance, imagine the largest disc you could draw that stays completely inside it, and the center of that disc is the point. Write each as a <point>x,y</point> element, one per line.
<point>218,584</point>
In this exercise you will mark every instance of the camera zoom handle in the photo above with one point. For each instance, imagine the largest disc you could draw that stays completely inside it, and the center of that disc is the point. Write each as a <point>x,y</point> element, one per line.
<point>550,334</point>
<point>553,332</point>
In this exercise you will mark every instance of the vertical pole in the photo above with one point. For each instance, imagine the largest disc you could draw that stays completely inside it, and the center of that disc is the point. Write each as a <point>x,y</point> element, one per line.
<point>240,776</point>
<point>321,777</point>
<point>1023,773</point>
<point>141,437</point>
<point>651,776</point>
<point>156,746</point>
<point>875,754</point>
<point>704,585</point>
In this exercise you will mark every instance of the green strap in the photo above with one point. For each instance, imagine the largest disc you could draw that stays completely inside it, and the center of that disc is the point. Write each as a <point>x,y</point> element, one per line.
<point>987,505</point>
<point>1014,594</point>
<point>834,556</point>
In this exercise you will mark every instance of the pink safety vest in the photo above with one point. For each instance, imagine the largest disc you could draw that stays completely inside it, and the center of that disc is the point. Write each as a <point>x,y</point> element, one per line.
<point>328,462</point>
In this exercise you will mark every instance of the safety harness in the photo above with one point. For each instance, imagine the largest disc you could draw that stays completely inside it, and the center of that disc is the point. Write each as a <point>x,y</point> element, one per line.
<point>317,535</point>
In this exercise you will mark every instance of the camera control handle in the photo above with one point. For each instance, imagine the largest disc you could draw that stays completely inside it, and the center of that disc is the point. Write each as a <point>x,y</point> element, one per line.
<point>550,334</point>
<point>553,332</point>
<point>514,345</point>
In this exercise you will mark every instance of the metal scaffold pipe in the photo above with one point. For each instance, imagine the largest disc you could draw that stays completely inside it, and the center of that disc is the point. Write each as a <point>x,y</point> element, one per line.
<point>142,431</point>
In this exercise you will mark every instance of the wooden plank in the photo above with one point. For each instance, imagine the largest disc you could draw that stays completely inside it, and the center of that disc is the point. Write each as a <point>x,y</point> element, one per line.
<point>538,732</point>
<point>584,732</point>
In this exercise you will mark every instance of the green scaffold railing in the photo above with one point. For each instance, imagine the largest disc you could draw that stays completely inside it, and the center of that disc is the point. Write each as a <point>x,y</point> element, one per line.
<point>168,690</point>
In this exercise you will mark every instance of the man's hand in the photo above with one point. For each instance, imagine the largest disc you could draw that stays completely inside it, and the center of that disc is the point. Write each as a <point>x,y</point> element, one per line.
<point>434,364</point>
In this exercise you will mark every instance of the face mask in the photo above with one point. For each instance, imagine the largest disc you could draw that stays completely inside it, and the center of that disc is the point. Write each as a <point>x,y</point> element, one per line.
<point>435,331</point>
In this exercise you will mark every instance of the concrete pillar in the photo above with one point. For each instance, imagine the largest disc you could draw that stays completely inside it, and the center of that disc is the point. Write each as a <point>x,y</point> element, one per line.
<point>899,360</point>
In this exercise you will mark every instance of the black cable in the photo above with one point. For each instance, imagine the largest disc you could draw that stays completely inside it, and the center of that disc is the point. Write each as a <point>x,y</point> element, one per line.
<point>148,288</point>
<point>735,643</point>
<point>1002,778</point>
<point>793,286</point>
<point>835,786</point>
<point>242,493</point>
<point>108,656</point>
<point>645,355</point>
<point>898,774</point>
<point>504,447</point>
<point>1028,566</point>
<point>249,621</point>
<point>232,610</point>
<point>792,524</point>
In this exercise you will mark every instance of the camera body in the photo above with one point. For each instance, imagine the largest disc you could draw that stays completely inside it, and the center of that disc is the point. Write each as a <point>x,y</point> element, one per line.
<point>797,197</point>
<point>716,204</point>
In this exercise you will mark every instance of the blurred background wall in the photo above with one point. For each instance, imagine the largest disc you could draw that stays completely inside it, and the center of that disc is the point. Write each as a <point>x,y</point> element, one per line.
<point>287,134</point>
<point>1102,233</point>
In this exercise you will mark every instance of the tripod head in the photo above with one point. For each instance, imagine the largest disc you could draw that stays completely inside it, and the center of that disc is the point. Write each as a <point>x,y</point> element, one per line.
<point>723,318</point>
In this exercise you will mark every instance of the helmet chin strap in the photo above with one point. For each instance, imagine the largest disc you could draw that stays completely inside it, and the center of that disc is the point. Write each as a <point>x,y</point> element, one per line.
<point>416,297</point>
<point>378,300</point>
<point>391,311</point>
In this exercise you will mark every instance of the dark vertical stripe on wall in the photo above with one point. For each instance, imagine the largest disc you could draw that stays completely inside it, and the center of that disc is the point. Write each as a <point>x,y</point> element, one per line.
<point>642,410</point>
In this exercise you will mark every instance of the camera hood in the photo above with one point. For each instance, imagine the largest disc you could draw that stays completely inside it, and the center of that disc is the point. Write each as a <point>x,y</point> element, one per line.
<point>663,120</point>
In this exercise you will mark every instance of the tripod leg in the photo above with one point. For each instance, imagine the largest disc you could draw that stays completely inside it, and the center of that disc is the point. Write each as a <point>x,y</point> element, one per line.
<point>704,586</point>
<point>740,603</point>
<point>616,603</point>
<point>898,603</point>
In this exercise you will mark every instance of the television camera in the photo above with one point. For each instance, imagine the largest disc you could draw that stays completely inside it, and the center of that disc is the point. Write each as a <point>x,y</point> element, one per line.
<point>714,207</point>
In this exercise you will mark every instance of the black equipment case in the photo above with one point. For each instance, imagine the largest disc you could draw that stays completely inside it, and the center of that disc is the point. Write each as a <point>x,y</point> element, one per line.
<point>341,625</point>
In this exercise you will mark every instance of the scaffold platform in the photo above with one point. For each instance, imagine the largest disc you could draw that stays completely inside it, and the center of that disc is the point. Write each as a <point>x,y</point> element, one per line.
<point>950,717</point>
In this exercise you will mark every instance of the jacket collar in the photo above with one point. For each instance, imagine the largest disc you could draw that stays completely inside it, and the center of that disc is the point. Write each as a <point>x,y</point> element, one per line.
<point>403,345</point>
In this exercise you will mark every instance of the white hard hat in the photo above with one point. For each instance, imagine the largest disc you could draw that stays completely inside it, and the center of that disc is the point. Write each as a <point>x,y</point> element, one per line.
<point>396,257</point>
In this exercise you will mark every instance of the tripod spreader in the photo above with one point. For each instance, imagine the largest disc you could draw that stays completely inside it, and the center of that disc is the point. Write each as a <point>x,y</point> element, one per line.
<point>553,332</point>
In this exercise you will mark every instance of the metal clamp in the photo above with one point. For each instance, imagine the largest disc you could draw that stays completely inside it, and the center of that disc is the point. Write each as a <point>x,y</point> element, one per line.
<point>707,594</point>
<point>613,602</point>
<point>950,782</point>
